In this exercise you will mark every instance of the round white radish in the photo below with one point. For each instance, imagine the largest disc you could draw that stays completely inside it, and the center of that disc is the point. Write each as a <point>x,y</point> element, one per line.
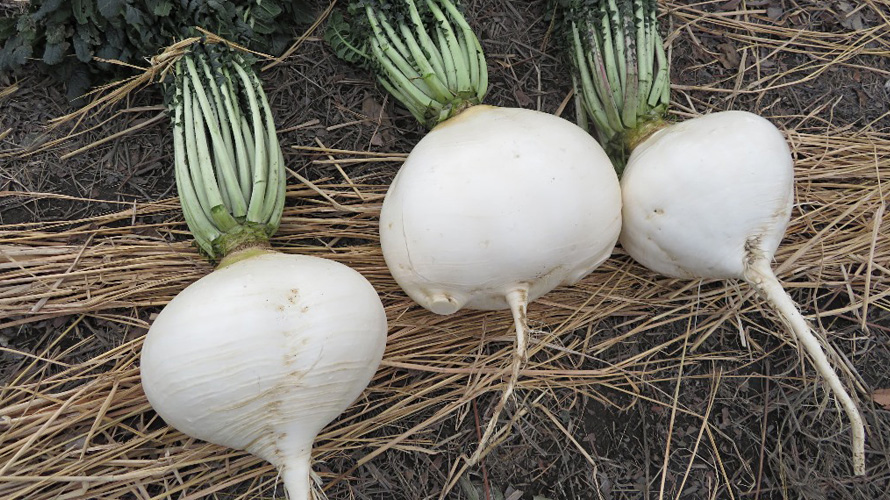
<point>496,207</point>
<point>699,193</point>
<point>711,197</point>
<point>264,352</point>
<point>497,200</point>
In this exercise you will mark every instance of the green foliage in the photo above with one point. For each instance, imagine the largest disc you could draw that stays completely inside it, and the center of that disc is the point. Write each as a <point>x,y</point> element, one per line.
<point>619,67</point>
<point>423,52</point>
<point>228,162</point>
<point>345,40</point>
<point>65,37</point>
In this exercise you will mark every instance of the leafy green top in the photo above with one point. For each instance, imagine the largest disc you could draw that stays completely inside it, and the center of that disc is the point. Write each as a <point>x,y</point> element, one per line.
<point>228,161</point>
<point>69,35</point>
<point>620,69</point>
<point>423,52</point>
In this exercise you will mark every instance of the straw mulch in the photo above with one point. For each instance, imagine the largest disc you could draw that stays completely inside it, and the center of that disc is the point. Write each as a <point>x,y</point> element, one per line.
<point>727,408</point>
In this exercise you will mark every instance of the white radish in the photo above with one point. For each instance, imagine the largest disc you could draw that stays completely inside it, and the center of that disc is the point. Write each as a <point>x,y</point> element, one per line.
<point>707,198</point>
<point>711,198</point>
<point>496,207</point>
<point>266,350</point>
<point>262,353</point>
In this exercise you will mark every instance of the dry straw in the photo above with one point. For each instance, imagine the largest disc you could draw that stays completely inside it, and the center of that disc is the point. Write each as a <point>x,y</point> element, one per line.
<point>83,429</point>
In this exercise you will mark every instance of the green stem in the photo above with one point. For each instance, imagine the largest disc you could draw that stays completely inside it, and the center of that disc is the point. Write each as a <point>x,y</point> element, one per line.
<point>225,170</point>
<point>423,52</point>
<point>261,155</point>
<point>251,152</point>
<point>428,73</point>
<point>415,99</point>
<point>580,109</point>
<point>609,51</point>
<point>241,156</point>
<point>417,111</point>
<point>596,64</point>
<point>469,43</point>
<point>199,223</point>
<point>275,185</point>
<point>228,162</point>
<point>460,64</point>
<point>645,61</point>
<point>423,39</point>
<point>219,117</point>
<point>218,208</point>
<point>196,175</point>
<point>482,84</point>
<point>391,52</point>
<point>660,94</point>
<point>588,91</point>
<point>616,34</point>
<point>200,163</point>
<point>632,89</point>
<point>447,59</point>
<point>619,67</point>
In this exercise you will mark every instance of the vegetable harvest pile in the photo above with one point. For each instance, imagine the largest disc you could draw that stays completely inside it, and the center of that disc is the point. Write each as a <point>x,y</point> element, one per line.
<point>493,208</point>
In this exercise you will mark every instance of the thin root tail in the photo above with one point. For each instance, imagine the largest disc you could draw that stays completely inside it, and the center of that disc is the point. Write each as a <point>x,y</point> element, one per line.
<point>759,274</point>
<point>518,300</point>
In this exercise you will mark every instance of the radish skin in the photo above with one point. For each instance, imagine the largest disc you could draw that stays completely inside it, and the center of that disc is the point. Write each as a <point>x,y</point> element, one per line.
<point>496,199</point>
<point>262,353</point>
<point>494,208</point>
<point>697,191</point>
<point>711,198</point>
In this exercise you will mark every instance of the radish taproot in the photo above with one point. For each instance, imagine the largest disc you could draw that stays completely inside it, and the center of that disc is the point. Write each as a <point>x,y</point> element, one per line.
<point>495,206</point>
<point>266,350</point>
<point>707,198</point>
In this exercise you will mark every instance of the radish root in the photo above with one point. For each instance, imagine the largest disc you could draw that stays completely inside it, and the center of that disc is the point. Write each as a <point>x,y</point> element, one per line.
<point>759,274</point>
<point>295,475</point>
<point>518,300</point>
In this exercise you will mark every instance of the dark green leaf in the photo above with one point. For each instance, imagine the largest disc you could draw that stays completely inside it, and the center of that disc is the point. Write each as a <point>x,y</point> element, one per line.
<point>26,27</point>
<point>302,12</point>
<point>134,17</point>
<point>72,33</point>
<point>106,52</point>
<point>56,34</point>
<point>110,9</point>
<point>115,37</point>
<point>61,16</point>
<point>48,7</point>
<point>83,10</point>
<point>89,33</point>
<point>7,28</point>
<point>14,54</point>
<point>54,53</point>
<point>269,10</point>
<point>81,49</point>
<point>161,8</point>
<point>343,41</point>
